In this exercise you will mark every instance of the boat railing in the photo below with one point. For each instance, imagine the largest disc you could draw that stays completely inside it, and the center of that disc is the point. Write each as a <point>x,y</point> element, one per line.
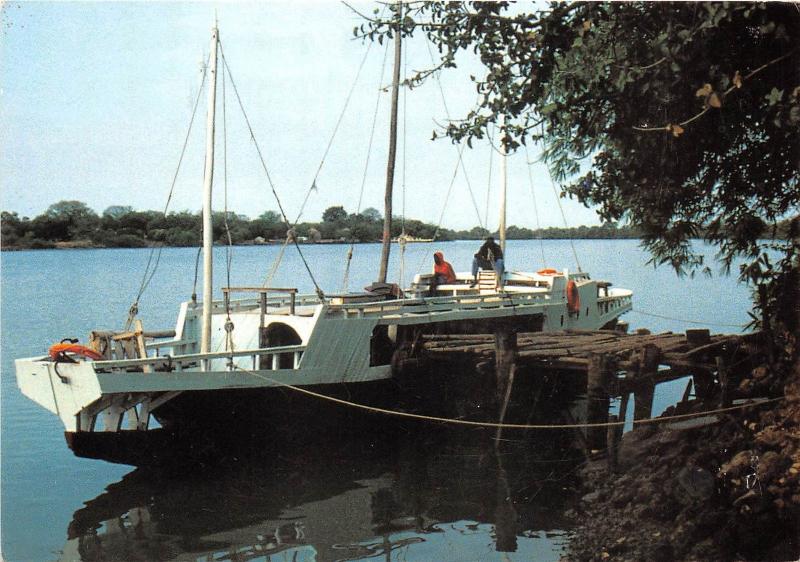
<point>262,359</point>
<point>613,303</point>
<point>428,305</point>
<point>291,302</point>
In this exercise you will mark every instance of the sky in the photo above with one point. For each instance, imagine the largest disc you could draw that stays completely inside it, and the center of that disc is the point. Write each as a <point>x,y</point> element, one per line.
<point>96,99</point>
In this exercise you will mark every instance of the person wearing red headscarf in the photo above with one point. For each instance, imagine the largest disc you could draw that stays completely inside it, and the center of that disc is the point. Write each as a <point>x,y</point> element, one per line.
<point>442,271</point>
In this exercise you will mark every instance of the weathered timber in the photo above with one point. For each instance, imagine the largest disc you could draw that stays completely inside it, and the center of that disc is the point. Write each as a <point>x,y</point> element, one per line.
<point>505,339</point>
<point>597,382</point>
<point>615,364</point>
<point>698,337</point>
<point>644,388</point>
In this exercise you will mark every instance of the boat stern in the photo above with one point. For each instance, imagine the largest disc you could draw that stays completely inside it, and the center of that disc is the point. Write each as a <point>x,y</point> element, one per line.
<point>65,389</point>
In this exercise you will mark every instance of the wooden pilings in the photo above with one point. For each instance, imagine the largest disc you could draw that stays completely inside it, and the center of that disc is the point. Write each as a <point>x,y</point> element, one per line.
<point>646,360</point>
<point>505,343</point>
<point>614,363</point>
<point>598,379</point>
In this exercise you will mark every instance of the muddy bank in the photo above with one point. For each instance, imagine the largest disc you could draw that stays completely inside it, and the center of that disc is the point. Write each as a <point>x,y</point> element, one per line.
<point>728,490</point>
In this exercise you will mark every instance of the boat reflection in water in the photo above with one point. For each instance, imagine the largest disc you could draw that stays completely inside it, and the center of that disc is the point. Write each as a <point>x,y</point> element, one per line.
<point>431,494</point>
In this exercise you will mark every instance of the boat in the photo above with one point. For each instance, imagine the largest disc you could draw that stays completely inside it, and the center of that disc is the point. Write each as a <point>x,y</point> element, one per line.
<point>235,364</point>
<point>407,239</point>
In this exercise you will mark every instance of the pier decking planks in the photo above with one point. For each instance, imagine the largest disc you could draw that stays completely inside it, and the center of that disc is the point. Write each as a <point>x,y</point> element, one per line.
<point>615,364</point>
<point>572,350</point>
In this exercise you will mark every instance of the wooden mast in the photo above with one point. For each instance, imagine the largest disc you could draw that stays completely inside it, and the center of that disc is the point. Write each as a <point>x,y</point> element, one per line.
<point>502,225</point>
<point>208,239</point>
<point>387,199</point>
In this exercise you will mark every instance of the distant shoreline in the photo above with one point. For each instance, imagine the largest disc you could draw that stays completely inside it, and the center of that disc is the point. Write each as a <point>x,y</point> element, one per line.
<point>90,246</point>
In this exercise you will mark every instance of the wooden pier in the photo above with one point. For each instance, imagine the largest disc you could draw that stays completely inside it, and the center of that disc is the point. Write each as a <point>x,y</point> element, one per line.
<point>615,364</point>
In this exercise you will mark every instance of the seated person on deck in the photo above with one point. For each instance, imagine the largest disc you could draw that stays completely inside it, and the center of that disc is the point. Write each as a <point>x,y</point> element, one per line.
<point>442,272</point>
<point>490,256</point>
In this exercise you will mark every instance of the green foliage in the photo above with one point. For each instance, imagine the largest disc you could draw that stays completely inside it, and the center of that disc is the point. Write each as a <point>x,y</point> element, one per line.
<point>334,215</point>
<point>122,227</point>
<point>66,220</point>
<point>689,112</point>
<point>116,211</point>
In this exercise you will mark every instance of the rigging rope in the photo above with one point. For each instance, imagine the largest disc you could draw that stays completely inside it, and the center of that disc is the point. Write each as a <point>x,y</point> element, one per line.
<point>229,248</point>
<point>444,206</point>
<point>276,263</point>
<point>452,421</point>
<point>403,238</point>
<point>335,129</point>
<point>535,207</point>
<point>285,217</point>
<point>460,152</point>
<point>489,184</point>
<point>196,271</point>
<point>148,274</point>
<point>560,207</point>
<point>346,275</point>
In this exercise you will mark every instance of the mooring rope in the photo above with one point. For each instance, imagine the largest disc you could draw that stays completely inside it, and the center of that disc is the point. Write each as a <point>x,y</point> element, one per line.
<point>470,423</point>
<point>740,326</point>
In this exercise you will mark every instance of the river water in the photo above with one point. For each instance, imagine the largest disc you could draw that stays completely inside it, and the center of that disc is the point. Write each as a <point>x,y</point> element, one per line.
<point>430,495</point>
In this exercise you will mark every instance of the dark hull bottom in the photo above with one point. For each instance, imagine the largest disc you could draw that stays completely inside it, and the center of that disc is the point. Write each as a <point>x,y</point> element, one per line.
<point>213,426</point>
<point>209,426</point>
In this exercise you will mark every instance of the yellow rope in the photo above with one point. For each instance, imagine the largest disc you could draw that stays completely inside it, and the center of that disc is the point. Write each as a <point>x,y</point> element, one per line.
<point>637,311</point>
<point>495,424</point>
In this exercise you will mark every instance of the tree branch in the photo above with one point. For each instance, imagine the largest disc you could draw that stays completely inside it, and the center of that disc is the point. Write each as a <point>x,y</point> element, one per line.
<point>669,127</point>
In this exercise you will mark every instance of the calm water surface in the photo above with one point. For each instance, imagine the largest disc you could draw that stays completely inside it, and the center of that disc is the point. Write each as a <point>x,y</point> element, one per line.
<point>429,496</point>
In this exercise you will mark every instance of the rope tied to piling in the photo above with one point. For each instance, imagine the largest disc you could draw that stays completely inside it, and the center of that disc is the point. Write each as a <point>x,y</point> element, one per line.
<point>453,421</point>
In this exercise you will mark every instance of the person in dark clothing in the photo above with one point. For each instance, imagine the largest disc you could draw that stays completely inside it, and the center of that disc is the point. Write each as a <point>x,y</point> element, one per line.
<point>490,256</point>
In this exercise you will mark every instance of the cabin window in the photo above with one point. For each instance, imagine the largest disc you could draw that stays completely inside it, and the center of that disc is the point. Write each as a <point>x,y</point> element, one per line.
<point>274,335</point>
<point>380,347</point>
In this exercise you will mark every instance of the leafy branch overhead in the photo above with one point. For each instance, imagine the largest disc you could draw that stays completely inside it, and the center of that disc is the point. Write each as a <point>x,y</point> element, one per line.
<point>721,81</point>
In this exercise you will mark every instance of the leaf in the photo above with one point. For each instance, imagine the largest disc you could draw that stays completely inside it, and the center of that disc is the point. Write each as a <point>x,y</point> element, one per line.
<point>587,24</point>
<point>737,79</point>
<point>714,101</point>
<point>549,108</point>
<point>775,96</point>
<point>704,91</point>
<point>676,130</point>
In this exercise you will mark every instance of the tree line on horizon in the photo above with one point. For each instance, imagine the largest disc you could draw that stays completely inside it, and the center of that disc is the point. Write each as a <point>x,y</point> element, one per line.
<point>73,223</point>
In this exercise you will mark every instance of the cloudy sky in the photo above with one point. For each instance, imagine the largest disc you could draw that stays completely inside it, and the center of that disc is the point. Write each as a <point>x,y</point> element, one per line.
<point>97,97</point>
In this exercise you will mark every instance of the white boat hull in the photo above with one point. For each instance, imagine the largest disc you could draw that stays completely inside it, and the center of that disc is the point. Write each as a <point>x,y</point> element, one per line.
<point>346,340</point>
